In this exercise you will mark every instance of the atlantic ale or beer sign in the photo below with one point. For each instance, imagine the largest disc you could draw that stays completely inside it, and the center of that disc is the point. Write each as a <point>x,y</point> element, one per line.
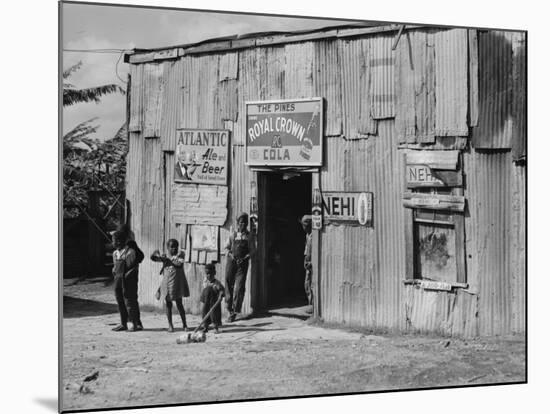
<point>348,207</point>
<point>284,133</point>
<point>201,156</point>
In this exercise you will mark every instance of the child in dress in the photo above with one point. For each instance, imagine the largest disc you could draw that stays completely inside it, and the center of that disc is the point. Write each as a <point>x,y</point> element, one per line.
<point>211,292</point>
<point>174,284</point>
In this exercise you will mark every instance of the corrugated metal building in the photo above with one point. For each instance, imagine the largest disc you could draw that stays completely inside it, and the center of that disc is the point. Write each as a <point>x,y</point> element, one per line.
<point>431,121</point>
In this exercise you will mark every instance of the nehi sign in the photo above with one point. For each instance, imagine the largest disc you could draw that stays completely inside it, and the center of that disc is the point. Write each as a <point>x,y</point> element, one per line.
<point>284,132</point>
<point>348,207</point>
<point>201,156</point>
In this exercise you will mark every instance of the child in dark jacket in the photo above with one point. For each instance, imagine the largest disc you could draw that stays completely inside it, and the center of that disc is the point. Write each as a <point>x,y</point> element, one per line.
<point>211,292</point>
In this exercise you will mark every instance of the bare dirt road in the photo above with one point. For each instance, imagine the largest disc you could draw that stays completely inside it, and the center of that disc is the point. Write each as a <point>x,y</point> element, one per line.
<point>268,356</point>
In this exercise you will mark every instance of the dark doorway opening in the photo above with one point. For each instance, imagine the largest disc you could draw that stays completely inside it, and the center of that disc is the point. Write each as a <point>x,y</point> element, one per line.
<point>287,199</point>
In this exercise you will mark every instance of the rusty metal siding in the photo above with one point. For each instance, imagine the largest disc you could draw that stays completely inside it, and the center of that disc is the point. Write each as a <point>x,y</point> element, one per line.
<point>519,104</point>
<point>326,81</point>
<point>273,71</point>
<point>135,123</point>
<point>451,82</point>
<point>153,85</point>
<point>494,129</point>
<point>364,286</point>
<point>381,66</point>
<point>445,313</point>
<point>229,66</point>
<point>424,86</point>
<point>518,252</point>
<point>354,78</point>
<point>171,103</point>
<point>249,90</point>
<point>405,122</point>
<point>495,240</point>
<point>151,234</point>
<point>299,70</point>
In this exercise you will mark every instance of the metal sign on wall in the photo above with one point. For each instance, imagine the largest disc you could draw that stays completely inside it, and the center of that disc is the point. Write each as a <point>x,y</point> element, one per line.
<point>284,133</point>
<point>348,207</point>
<point>201,156</point>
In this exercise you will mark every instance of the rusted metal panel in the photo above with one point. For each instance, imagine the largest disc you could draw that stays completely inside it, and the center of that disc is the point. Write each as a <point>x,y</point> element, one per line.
<point>364,286</point>
<point>518,248</point>
<point>381,66</point>
<point>424,85</point>
<point>519,104</point>
<point>189,114</point>
<point>494,129</point>
<point>199,204</point>
<point>473,55</point>
<point>151,229</point>
<point>326,83</point>
<point>405,121</point>
<point>451,82</point>
<point>249,89</point>
<point>228,97</point>
<point>356,118</point>
<point>171,104</point>
<point>446,313</point>
<point>136,99</point>
<point>273,72</point>
<point>229,66</point>
<point>299,70</point>
<point>495,245</point>
<point>153,91</point>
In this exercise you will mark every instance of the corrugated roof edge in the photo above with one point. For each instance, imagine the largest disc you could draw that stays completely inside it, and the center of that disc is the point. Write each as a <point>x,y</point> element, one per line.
<point>257,39</point>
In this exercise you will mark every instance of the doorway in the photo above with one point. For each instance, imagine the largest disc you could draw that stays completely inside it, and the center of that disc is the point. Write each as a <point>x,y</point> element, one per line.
<point>287,199</point>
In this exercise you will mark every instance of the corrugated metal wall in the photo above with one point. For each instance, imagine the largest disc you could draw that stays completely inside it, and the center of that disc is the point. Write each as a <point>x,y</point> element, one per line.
<point>375,100</point>
<point>363,268</point>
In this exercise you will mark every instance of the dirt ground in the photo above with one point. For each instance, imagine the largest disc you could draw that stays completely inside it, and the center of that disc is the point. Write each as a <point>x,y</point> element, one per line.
<point>278,354</point>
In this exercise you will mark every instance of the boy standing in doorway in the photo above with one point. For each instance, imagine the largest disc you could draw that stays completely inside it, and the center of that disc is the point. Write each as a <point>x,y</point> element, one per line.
<point>238,255</point>
<point>306,225</point>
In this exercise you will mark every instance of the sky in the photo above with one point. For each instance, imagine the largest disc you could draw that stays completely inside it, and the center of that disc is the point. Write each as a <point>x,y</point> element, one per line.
<point>86,27</point>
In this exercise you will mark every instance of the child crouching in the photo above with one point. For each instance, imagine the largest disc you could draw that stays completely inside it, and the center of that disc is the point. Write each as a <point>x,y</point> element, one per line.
<point>212,291</point>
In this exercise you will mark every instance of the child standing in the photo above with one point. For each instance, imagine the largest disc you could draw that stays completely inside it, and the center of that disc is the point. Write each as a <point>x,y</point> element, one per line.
<point>211,292</point>
<point>125,272</point>
<point>174,284</point>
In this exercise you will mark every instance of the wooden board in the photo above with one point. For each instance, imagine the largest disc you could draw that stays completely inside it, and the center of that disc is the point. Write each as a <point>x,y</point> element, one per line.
<point>440,160</point>
<point>433,201</point>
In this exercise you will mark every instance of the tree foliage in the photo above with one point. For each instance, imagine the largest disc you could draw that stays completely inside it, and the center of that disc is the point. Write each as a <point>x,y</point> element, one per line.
<point>88,163</point>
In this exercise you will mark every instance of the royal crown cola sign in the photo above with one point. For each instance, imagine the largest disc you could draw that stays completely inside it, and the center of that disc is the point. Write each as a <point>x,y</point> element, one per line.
<point>284,133</point>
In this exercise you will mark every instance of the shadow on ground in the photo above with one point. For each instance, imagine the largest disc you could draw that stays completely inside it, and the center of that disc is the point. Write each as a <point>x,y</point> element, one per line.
<point>77,308</point>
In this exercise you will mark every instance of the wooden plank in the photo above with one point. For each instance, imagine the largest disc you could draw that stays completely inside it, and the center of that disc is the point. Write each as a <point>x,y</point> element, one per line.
<point>209,47</point>
<point>474,76</point>
<point>457,199</point>
<point>432,202</point>
<point>142,57</point>
<point>460,247</point>
<point>166,54</point>
<point>440,160</point>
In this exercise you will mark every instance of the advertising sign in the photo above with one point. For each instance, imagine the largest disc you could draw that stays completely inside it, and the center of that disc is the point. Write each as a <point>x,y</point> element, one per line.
<point>348,207</point>
<point>420,175</point>
<point>284,133</point>
<point>201,156</point>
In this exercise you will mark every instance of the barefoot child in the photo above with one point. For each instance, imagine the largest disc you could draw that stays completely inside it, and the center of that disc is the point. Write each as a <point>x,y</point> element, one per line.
<point>125,272</point>
<point>211,292</point>
<point>174,284</point>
